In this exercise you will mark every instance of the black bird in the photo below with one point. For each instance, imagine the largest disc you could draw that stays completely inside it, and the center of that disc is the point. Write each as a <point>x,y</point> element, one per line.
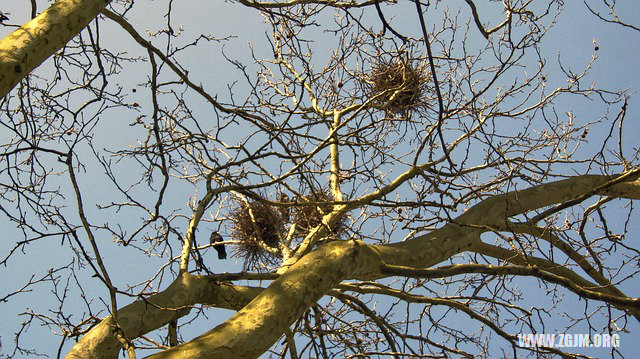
<point>3,17</point>
<point>216,237</point>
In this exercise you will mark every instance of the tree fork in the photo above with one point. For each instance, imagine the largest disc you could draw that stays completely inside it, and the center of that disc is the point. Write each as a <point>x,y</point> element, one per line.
<point>145,315</point>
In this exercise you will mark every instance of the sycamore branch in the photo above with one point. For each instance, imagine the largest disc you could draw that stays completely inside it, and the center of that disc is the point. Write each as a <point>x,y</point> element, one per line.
<point>31,44</point>
<point>609,293</point>
<point>261,322</point>
<point>570,191</point>
<point>591,291</point>
<point>147,314</point>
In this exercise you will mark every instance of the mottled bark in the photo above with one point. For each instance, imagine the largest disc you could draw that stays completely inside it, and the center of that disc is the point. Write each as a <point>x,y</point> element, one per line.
<point>260,323</point>
<point>32,43</point>
<point>151,313</point>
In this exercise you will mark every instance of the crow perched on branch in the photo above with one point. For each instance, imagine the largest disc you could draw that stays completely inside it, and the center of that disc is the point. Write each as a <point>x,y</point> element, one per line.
<point>216,237</point>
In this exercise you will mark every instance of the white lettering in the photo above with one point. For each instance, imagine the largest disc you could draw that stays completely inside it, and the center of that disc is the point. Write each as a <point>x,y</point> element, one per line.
<point>582,340</point>
<point>597,341</point>
<point>568,340</point>
<point>615,341</point>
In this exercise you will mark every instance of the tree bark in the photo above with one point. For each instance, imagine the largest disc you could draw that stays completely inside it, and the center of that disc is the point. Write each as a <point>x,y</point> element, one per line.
<point>31,44</point>
<point>151,313</point>
<point>255,328</point>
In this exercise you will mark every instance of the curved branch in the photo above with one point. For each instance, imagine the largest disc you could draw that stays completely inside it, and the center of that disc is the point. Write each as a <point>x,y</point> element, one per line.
<point>253,330</point>
<point>145,315</point>
<point>563,272</point>
<point>566,192</point>
<point>476,19</point>
<point>590,291</point>
<point>262,321</point>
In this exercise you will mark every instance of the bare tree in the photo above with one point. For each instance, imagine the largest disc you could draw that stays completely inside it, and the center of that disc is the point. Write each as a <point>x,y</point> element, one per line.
<point>388,190</point>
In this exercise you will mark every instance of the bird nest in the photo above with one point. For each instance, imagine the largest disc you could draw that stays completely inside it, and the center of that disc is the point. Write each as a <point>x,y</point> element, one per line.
<point>397,85</point>
<point>309,215</point>
<point>257,228</point>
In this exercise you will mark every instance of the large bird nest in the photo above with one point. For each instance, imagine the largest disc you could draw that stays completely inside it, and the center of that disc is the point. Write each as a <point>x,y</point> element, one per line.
<point>308,214</point>
<point>257,228</point>
<point>398,85</point>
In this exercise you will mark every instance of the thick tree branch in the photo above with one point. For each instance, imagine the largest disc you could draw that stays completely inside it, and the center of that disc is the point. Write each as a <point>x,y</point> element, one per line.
<point>27,47</point>
<point>145,315</point>
<point>529,271</point>
<point>261,322</point>
<point>572,190</point>
<point>560,271</point>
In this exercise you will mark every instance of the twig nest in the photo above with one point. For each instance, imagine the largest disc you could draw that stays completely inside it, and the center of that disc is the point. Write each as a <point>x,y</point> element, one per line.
<point>309,215</point>
<point>257,228</point>
<point>398,85</point>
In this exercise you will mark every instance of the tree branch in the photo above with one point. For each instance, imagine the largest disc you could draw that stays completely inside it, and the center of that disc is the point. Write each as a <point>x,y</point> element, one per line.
<point>147,314</point>
<point>31,44</point>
